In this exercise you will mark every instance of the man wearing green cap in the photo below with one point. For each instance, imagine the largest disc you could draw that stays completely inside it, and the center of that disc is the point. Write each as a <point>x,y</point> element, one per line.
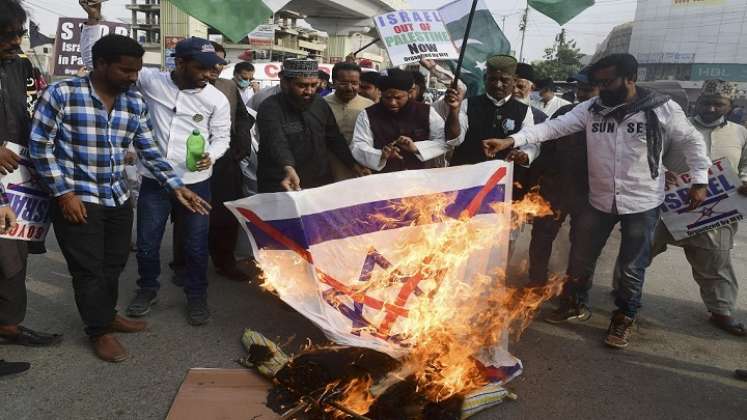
<point>494,114</point>
<point>709,253</point>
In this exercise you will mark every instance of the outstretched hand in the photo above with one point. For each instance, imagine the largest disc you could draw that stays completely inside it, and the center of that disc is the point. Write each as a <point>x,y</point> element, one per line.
<point>492,146</point>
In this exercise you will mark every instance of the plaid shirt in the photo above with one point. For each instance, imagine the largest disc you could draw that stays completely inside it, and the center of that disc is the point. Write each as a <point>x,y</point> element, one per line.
<point>76,146</point>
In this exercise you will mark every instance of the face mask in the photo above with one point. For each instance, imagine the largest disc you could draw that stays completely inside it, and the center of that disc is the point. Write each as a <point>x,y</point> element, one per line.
<point>712,124</point>
<point>613,97</point>
<point>244,83</point>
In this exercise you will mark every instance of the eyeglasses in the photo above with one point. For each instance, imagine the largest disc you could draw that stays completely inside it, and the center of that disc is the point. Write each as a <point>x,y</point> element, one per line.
<point>6,36</point>
<point>603,83</point>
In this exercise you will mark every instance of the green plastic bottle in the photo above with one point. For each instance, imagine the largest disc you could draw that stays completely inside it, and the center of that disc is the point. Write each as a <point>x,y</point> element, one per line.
<point>195,149</point>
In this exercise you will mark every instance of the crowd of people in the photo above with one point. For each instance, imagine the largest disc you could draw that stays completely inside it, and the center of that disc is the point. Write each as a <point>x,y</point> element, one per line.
<point>601,161</point>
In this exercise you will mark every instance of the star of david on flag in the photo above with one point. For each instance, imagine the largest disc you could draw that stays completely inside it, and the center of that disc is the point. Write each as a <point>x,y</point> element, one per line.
<point>333,253</point>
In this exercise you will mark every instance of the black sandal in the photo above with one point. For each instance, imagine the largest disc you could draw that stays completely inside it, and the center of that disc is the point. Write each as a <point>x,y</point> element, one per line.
<point>730,325</point>
<point>12,368</point>
<point>29,337</point>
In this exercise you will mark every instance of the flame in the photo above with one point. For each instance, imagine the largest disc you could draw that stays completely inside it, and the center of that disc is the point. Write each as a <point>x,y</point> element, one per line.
<point>356,396</point>
<point>457,314</point>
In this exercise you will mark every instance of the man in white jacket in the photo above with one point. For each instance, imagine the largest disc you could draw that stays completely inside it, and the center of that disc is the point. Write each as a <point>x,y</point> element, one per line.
<point>179,103</point>
<point>627,129</point>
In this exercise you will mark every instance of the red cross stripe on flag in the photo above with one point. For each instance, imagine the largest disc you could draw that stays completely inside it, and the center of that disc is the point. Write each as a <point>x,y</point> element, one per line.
<point>392,310</point>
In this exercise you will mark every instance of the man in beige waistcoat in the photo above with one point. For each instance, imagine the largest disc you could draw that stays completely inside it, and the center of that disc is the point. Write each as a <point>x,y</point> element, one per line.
<point>709,253</point>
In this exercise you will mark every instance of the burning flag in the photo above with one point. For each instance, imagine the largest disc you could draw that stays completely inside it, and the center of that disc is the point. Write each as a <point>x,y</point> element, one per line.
<point>411,264</point>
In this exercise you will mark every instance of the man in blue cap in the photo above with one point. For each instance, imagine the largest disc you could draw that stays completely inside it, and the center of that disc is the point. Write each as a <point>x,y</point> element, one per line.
<point>179,102</point>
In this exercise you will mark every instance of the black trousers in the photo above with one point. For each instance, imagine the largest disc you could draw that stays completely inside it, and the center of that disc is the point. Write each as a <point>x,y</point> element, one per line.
<point>96,253</point>
<point>13,255</point>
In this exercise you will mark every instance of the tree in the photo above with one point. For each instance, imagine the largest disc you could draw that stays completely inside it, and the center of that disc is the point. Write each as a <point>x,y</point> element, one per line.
<point>561,61</point>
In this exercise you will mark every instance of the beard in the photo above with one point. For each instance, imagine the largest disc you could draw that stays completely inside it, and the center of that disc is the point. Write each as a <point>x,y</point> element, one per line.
<point>613,97</point>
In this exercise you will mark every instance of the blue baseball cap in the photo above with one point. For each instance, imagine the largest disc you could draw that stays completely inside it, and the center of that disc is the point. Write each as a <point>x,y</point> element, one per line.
<point>199,49</point>
<point>581,77</point>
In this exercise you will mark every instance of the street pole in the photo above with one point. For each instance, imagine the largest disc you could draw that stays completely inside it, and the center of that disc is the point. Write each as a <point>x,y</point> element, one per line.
<point>523,28</point>
<point>463,49</point>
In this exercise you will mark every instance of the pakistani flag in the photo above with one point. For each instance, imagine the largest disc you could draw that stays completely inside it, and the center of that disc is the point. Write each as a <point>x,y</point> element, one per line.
<point>233,18</point>
<point>485,39</point>
<point>561,11</point>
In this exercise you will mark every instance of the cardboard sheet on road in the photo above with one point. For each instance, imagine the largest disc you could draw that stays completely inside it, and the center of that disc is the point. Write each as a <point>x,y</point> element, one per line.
<point>222,394</point>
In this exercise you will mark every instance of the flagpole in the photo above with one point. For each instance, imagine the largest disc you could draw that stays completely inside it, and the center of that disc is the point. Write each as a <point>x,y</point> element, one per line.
<point>458,70</point>
<point>524,20</point>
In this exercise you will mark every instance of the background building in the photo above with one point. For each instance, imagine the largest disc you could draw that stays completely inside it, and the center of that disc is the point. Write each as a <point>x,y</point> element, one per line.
<point>618,41</point>
<point>691,40</point>
<point>158,25</point>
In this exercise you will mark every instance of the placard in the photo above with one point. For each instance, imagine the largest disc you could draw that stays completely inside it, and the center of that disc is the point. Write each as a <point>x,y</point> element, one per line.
<point>412,35</point>
<point>67,58</point>
<point>28,198</point>
<point>723,206</point>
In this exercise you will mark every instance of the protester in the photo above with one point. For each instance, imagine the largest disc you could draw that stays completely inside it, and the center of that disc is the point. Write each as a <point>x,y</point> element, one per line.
<point>548,102</point>
<point>709,253</point>
<point>627,129</point>
<point>368,87</point>
<point>180,103</point>
<point>17,98</point>
<point>298,132</point>
<point>494,114</point>
<point>226,184</point>
<point>417,92</point>
<point>563,179</point>
<point>523,90</point>
<point>81,132</point>
<point>398,133</point>
<point>243,76</point>
<point>346,105</point>
<point>323,89</point>
<point>256,100</point>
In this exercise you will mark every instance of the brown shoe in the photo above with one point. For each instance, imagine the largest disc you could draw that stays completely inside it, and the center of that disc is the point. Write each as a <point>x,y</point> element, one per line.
<point>108,348</point>
<point>124,325</point>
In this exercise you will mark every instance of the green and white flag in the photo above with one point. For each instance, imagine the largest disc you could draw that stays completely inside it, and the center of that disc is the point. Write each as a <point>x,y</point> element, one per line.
<point>485,40</point>
<point>233,18</point>
<point>561,11</point>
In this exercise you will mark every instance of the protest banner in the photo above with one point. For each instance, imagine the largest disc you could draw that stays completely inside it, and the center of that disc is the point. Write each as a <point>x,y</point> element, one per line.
<point>169,47</point>
<point>323,249</point>
<point>723,205</point>
<point>67,58</point>
<point>28,199</point>
<point>412,35</point>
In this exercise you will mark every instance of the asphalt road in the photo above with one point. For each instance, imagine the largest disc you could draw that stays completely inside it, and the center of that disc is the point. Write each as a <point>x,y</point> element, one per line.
<point>678,366</point>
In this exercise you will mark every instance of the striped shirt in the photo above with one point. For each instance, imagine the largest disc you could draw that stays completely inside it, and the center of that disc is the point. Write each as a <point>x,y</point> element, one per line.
<point>77,146</point>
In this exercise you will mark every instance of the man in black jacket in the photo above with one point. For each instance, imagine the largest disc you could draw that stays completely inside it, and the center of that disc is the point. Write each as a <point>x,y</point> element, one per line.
<point>298,131</point>
<point>17,98</point>
<point>563,179</point>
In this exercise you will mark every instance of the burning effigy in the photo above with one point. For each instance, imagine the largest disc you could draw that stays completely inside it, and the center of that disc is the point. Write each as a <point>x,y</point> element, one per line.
<point>405,272</point>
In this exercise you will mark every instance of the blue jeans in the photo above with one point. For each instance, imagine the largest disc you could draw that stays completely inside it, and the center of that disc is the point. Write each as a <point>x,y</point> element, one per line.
<point>593,230</point>
<point>153,209</point>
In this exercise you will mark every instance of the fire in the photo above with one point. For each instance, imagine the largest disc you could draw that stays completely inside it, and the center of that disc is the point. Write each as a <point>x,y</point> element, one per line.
<point>452,321</point>
<point>356,396</point>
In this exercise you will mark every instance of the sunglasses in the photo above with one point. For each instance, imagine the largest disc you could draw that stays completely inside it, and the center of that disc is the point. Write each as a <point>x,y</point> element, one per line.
<point>14,34</point>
